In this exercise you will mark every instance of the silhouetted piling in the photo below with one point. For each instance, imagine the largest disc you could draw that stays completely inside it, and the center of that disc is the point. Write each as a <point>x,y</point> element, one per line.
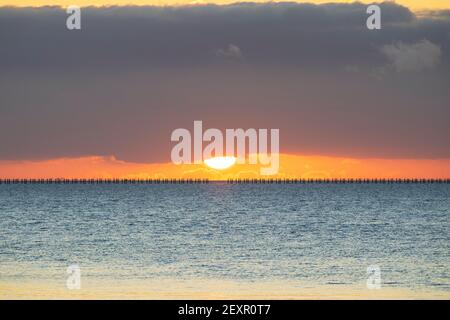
<point>229,181</point>
<point>104,181</point>
<point>336,181</point>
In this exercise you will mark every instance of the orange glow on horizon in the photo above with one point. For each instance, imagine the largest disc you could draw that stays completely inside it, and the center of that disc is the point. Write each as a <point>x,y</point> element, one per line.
<point>291,166</point>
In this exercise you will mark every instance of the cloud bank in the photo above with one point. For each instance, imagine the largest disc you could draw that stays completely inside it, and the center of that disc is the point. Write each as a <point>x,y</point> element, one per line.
<point>132,75</point>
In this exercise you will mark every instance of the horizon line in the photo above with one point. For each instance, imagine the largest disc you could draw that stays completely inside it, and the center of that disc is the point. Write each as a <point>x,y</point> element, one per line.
<point>228,181</point>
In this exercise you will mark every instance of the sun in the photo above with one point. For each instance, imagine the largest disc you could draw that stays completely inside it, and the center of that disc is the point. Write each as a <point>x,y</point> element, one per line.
<point>220,163</point>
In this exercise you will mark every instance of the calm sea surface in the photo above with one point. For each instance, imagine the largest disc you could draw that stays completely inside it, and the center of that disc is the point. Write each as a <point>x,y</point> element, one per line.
<point>318,234</point>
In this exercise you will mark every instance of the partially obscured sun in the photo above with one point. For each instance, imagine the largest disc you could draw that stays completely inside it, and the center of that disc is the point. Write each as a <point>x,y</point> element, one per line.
<point>220,163</point>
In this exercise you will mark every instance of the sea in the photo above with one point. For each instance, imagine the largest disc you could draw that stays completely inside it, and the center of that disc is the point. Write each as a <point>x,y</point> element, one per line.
<point>225,240</point>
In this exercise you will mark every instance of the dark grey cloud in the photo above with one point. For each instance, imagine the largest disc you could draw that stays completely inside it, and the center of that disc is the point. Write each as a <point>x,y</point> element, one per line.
<point>133,74</point>
<point>268,33</point>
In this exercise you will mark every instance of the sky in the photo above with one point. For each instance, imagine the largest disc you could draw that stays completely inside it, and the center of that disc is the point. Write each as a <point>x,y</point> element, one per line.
<point>413,4</point>
<point>103,101</point>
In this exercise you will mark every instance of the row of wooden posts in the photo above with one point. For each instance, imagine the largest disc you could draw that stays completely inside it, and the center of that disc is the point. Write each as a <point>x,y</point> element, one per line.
<point>202,181</point>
